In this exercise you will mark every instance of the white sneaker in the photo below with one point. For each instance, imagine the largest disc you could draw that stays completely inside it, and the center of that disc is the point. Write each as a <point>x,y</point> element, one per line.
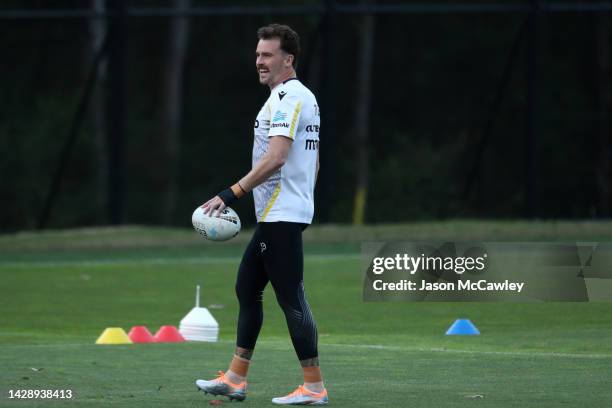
<point>223,386</point>
<point>303,396</point>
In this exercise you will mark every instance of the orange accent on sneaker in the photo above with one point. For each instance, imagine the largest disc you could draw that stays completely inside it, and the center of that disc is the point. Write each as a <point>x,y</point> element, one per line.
<point>301,390</point>
<point>303,396</point>
<point>223,378</point>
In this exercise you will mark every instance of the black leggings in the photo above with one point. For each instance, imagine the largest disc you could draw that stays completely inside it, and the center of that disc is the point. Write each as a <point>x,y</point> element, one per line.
<point>275,254</point>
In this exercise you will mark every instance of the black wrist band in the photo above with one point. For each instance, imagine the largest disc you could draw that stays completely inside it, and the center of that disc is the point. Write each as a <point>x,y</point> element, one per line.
<point>227,196</point>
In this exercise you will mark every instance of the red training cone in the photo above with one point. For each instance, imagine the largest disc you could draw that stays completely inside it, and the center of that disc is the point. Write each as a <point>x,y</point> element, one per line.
<point>140,334</point>
<point>168,334</point>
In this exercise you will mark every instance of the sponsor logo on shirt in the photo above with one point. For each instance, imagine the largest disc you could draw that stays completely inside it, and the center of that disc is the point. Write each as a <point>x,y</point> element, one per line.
<point>312,144</point>
<point>278,116</point>
<point>312,128</point>
<point>277,125</point>
<point>263,123</point>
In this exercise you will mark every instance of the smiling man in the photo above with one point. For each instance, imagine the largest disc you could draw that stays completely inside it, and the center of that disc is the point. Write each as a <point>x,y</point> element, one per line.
<point>285,165</point>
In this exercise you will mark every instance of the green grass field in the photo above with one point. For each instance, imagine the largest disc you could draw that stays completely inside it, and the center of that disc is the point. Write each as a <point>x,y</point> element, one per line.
<point>59,290</point>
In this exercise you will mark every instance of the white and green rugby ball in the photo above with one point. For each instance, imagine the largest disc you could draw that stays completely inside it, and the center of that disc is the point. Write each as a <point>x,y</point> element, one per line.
<point>225,226</point>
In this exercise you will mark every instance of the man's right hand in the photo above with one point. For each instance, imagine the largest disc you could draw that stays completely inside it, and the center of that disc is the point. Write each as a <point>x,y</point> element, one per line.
<point>222,200</point>
<point>213,205</point>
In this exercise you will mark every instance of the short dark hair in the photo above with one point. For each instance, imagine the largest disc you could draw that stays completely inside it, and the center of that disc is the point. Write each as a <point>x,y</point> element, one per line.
<point>289,39</point>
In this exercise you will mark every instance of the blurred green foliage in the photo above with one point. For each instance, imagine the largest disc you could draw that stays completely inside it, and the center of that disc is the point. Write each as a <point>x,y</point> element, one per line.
<point>434,80</point>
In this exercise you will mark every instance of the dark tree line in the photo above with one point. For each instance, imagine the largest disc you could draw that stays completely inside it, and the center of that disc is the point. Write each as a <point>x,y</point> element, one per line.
<point>414,98</point>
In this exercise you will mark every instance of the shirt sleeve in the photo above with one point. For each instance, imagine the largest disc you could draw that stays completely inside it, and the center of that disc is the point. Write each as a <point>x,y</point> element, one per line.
<point>286,118</point>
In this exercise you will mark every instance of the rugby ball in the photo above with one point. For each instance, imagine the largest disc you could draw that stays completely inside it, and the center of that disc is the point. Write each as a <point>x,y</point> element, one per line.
<point>221,228</point>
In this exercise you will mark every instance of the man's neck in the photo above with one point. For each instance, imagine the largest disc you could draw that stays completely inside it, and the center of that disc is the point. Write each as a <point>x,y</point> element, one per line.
<point>290,74</point>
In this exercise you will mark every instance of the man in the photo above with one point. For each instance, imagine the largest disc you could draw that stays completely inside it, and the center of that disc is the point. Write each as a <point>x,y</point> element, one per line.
<point>285,166</point>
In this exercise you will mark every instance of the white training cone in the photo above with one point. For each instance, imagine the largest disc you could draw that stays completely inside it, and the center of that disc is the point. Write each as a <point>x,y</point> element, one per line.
<point>199,324</point>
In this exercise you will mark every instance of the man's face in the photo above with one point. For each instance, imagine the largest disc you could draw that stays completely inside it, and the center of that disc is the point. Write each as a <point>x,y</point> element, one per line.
<point>272,63</point>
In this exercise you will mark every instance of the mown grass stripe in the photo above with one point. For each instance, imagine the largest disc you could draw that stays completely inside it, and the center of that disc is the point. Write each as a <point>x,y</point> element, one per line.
<point>287,346</point>
<point>162,261</point>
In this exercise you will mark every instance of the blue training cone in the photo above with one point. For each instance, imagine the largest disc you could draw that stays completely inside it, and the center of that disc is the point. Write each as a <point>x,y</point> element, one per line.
<point>462,327</point>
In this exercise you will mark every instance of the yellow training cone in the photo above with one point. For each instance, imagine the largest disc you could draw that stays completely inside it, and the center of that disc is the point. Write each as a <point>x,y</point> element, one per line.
<point>114,335</point>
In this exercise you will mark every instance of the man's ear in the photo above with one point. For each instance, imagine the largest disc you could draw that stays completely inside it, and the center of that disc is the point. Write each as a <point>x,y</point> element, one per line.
<point>289,60</point>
